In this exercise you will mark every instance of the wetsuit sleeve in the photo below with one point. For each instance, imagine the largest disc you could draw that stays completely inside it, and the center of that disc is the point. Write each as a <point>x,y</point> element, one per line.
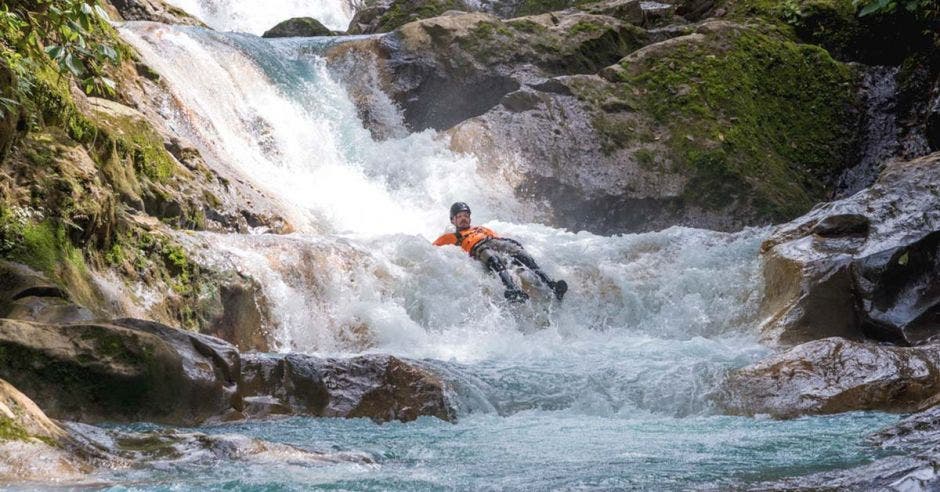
<point>445,239</point>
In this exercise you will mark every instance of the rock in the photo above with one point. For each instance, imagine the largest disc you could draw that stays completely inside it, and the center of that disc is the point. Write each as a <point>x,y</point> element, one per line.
<point>168,446</point>
<point>127,370</point>
<point>443,70</point>
<point>382,388</point>
<point>32,447</point>
<point>834,375</point>
<point>153,11</point>
<point>865,266</point>
<point>933,119</point>
<point>28,295</point>
<point>375,16</point>
<point>915,473</point>
<point>298,27</point>
<point>919,431</point>
<point>238,314</point>
<point>642,145</point>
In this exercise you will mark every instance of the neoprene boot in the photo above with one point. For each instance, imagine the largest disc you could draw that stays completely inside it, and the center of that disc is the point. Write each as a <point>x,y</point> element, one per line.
<point>559,287</point>
<point>513,293</point>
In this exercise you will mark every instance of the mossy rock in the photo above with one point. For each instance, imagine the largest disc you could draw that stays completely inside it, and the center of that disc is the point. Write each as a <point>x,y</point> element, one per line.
<point>749,115</point>
<point>728,127</point>
<point>298,27</point>
<point>377,17</point>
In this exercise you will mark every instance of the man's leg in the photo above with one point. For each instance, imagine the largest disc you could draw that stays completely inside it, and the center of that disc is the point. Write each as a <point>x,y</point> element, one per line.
<point>519,254</point>
<point>492,261</point>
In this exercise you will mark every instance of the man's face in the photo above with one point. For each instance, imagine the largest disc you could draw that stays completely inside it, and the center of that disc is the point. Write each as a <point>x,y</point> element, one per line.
<point>461,220</point>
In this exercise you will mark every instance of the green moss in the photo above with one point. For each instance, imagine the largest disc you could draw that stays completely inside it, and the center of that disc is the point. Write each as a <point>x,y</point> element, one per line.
<point>763,118</point>
<point>402,12</point>
<point>534,7</point>
<point>11,431</point>
<point>583,26</point>
<point>614,133</point>
<point>645,158</point>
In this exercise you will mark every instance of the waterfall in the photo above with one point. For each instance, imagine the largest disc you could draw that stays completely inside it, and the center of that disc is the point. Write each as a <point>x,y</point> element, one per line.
<point>609,389</point>
<point>360,273</point>
<point>257,17</point>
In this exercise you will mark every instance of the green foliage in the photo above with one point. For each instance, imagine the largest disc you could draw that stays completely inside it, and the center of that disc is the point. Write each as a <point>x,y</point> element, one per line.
<point>71,36</point>
<point>925,9</point>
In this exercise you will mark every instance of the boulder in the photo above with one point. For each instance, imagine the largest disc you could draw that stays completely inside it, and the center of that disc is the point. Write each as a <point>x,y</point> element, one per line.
<point>867,266</point>
<point>443,70</point>
<point>33,447</point>
<point>28,295</point>
<point>375,16</point>
<point>834,375</point>
<point>669,135</point>
<point>236,310</point>
<point>125,370</point>
<point>379,387</point>
<point>153,11</point>
<point>298,27</point>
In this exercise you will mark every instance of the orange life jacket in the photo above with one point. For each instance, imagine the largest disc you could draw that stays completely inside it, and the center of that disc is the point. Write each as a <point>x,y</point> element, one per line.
<point>467,238</point>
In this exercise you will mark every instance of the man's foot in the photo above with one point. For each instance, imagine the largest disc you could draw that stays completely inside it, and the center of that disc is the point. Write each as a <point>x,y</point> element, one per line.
<point>560,287</point>
<point>516,295</point>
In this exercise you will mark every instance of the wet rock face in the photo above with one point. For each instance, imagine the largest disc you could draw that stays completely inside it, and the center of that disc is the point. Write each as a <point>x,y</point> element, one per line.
<point>126,370</point>
<point>867,266</point>
<point>382,388</point>
<point>622,150</point>
<point>33,447</point>
<point>28,295</point>
<point>298,27</point>
<point>153,11</point>
<point>446,69</point>
<point>831,376</point>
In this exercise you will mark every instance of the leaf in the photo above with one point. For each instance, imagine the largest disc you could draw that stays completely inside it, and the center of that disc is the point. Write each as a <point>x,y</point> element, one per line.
<point>74,65</point>
<point>86,9</point>
<point>55,51</point>
<point>903,259</point>
<point>102,13</point>
<point>108,52</point>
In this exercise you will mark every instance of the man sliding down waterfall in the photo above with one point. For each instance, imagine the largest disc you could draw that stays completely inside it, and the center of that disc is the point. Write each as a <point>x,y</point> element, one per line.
<point>484,245</point>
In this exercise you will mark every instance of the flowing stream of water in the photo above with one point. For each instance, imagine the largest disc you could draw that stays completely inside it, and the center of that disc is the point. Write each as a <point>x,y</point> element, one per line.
<point>609,389</point>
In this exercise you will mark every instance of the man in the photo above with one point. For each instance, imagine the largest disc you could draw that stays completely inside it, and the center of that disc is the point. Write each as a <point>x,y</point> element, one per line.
<point>486,246</point>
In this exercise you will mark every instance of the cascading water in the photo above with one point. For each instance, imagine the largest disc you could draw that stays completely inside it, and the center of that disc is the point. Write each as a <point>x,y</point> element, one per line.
<point>609,389</point>
<point>255,17</point>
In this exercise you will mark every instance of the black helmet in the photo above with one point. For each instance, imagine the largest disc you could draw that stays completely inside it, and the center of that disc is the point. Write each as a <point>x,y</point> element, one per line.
<point>458,207</point>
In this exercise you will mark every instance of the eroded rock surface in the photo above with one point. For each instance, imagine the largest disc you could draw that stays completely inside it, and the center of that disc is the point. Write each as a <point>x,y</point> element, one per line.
<point>126,370</point>
<point>33,447</point>
<point>154,11</point>
<point>865,266</point>
<point>834,375</point>
<point>382,388</point>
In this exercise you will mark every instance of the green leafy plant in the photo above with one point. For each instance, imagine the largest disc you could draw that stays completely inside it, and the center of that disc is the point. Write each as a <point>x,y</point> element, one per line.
<point>70,35</point>
<point>923,9</point>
